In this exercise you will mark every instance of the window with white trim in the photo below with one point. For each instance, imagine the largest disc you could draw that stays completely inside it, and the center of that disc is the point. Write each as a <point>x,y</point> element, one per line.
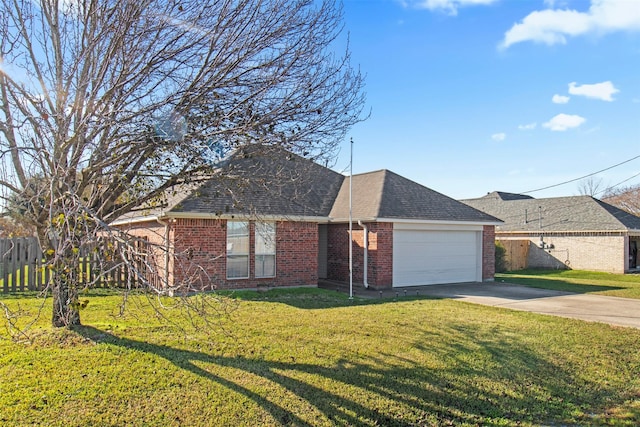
<point>237,249</point>
<point>265,249</point>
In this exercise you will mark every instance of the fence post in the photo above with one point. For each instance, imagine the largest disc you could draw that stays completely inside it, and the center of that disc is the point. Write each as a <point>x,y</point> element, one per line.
<point>5,245</point>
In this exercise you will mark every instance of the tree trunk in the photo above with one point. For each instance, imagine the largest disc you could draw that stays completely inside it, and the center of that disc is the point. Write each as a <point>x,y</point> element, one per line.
<point>65,305</point>
<point>63,264</point>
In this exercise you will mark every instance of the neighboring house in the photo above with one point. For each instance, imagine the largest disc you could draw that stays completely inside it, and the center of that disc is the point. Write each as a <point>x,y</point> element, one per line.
<point>577,232</point>
<point>272,218</point>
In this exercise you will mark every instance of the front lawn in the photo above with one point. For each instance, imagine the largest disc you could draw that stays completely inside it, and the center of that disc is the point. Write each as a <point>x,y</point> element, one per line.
<point>616,285</point>
<point>312,357</point>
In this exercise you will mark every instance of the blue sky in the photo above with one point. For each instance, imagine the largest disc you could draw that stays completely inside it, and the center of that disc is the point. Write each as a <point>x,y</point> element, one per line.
<point>473,96</point>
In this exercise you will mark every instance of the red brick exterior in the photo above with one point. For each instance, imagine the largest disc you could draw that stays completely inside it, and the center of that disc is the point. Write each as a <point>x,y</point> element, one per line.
<point>198,254</point>
<point>488,252</point>
<point>197,258</point>
<point>380,254</point>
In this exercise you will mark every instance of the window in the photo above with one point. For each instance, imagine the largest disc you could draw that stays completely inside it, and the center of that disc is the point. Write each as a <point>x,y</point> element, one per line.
<point>237,249</point>
<point>265,249</point>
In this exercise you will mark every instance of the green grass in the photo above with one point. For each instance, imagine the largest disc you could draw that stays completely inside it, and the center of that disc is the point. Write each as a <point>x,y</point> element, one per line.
<point>617,285</point>
<point>312,357</point>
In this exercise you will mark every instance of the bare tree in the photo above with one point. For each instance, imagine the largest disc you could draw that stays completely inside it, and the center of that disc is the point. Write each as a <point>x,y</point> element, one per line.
<point>625,198</point>
<point>11,228</point>
<point>591,186</point>
<point>106,104</point>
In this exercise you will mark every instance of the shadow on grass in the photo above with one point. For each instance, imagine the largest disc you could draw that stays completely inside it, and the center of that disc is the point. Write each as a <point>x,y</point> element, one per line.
<point>512,385</point>
<point>315,298</point>
<point>557,285</point>
<point>90,293</point>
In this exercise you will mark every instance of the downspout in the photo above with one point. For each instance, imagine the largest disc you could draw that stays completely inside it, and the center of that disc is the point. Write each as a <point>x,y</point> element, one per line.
<point>166,251</point>
<point>366,252</point>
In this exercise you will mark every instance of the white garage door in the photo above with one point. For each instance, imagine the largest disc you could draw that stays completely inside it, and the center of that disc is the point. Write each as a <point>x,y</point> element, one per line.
<point>428,257</point>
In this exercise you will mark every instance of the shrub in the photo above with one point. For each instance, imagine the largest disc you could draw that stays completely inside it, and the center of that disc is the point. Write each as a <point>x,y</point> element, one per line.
<point>501,260</point>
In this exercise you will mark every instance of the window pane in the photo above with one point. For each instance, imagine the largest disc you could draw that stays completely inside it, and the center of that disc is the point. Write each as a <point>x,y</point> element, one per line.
<point>265,265</point>
<point>265,250</point>
<point>237,249</point>
<point>238,245</point>
<point>265,238</point>
<point>238,267</point>
<point>237,228</point>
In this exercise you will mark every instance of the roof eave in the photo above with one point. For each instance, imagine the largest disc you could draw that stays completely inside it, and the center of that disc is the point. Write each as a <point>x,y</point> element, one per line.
<point>438,221</point>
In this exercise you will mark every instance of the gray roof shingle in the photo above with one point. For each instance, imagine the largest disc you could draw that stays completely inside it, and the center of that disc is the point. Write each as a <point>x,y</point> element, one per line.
<point>384,194</point>
<point>268,180</point>
<point>558,214</point>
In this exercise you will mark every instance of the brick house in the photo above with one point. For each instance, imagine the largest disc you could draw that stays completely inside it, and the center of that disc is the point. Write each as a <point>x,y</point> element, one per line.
<point>272,218</point>
<point>577,232</point>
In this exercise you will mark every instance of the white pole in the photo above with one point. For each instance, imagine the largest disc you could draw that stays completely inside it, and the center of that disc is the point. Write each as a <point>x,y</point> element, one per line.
<point>351,222</point>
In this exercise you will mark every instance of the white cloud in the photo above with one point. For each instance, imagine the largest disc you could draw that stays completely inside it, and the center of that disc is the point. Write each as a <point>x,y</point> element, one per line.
<point>448,6</point>
<point>499,136</point>
<point>528,126</point>
<point>602,91</point>
<point>563,122</point>
<point>560,99</point>
<point>552,26</point>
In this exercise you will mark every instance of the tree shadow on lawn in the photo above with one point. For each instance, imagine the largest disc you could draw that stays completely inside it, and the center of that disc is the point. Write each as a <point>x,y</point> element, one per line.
<point>515,385</point>
<point>316,298</point>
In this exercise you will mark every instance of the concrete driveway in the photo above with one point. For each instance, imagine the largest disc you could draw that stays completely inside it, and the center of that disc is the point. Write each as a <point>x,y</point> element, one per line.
<point>593,308</point>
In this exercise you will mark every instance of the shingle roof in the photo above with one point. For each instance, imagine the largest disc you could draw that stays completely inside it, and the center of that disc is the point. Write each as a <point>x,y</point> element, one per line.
<point>384,194</point>
<point>508,196</point>
<point>558,214</point>
<point>266,180</point>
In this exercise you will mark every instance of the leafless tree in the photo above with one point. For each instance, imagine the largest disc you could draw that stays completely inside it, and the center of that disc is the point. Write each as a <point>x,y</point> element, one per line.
<point>106,104</point>
<point>625,198</point>
<point>591,186</point>
<point>11,228</point>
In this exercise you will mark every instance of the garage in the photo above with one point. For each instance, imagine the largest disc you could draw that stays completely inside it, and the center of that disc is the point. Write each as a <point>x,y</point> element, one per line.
<point>436,255</point>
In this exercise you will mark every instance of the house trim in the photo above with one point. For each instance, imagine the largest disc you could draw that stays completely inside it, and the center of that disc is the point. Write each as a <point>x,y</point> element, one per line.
<point>457,224</point>
<point>236,217</point>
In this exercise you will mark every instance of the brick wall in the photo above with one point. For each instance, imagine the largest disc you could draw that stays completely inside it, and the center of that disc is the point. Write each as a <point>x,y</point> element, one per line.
<point>200,255</point>
<point>488,252</point>
<point>579,252</point>
<point>296,254</point>
<point>338,252</point>
<point>380,254</point>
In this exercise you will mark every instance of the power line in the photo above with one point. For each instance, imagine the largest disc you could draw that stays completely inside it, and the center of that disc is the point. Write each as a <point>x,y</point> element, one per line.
<point>582,177</point>
<point>620,183</point>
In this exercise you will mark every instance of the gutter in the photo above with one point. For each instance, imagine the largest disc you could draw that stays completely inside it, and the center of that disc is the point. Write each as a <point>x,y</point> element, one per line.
<point>366,253</point>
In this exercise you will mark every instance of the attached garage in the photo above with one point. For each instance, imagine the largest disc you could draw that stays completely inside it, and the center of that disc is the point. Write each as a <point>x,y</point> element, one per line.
<point>430,254</point>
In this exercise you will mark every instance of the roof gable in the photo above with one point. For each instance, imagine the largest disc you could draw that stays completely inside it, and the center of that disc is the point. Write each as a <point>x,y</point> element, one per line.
<point>266,180</point>
<point>385,194</point>
<point>506,196</point>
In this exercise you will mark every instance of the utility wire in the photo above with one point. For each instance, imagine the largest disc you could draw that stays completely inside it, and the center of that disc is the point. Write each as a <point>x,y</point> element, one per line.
<point>620,183</point>
<point>582,177</point>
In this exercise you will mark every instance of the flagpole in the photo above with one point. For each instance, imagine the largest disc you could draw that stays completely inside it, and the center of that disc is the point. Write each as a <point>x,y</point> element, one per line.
<point>351,221</point>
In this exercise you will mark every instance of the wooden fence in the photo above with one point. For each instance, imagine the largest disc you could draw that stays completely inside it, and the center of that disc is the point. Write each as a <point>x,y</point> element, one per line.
<point>22,267</point>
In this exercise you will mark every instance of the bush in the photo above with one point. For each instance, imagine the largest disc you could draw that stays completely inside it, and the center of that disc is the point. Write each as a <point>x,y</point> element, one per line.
<point>501,260</point>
